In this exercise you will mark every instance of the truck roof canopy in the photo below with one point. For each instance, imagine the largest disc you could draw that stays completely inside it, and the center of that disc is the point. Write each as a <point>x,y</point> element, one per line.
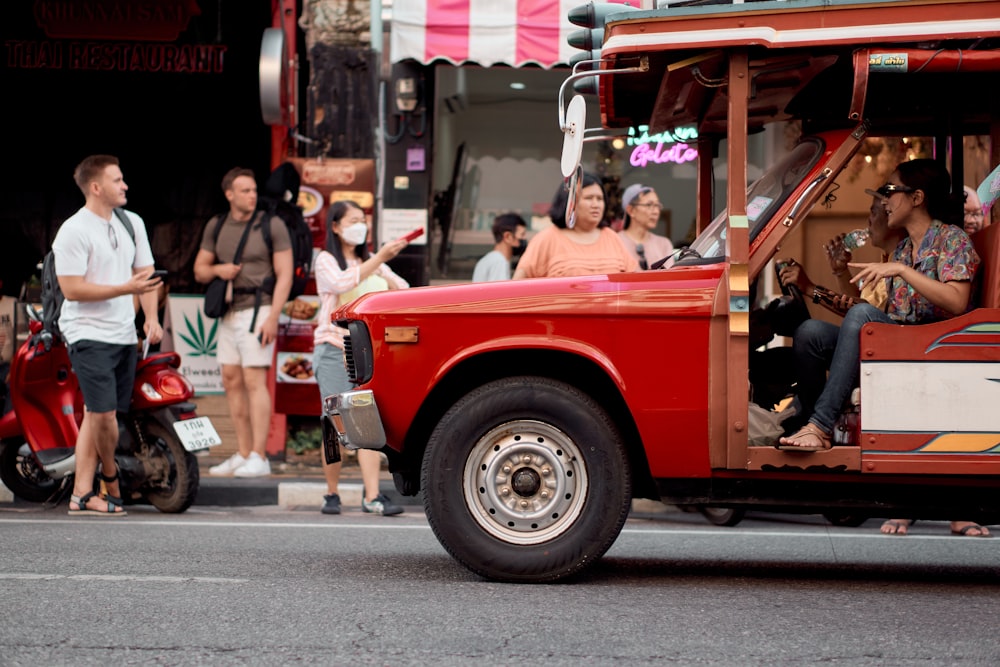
<point>828,63</point>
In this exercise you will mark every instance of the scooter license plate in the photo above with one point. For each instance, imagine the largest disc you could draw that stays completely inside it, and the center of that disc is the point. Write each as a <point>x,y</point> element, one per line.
<point>197,434</point>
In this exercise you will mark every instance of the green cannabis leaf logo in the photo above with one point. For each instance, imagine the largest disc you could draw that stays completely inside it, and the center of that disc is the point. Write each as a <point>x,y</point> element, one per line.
<point>202,344</point>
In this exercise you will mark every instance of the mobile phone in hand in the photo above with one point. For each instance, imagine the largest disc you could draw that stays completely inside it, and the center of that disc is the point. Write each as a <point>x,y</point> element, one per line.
<point>416,233</point>
<point>159,273</point>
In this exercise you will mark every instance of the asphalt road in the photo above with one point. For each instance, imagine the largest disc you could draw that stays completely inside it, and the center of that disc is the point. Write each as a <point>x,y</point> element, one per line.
<point>263,586</point>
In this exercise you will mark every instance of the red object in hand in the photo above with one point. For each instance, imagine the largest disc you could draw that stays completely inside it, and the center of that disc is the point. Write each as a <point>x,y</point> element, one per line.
<point>412,235</point>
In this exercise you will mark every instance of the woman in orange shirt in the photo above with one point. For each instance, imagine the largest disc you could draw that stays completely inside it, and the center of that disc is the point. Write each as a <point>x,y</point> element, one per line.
<point>587,248</point>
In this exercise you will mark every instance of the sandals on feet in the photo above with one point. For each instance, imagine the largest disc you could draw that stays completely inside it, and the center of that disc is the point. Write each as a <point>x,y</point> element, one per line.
<point>964,531</point>
<point>113,509</point>
<point>112,500</point>
<point>809,438</point>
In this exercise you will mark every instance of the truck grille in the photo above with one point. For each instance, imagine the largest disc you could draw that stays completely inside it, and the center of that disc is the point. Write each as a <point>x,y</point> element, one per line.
<point>352,372</point>
<point>358,353</point>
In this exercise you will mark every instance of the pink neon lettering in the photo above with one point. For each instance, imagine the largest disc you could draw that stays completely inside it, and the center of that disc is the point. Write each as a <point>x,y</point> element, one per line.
<point>643,154</point>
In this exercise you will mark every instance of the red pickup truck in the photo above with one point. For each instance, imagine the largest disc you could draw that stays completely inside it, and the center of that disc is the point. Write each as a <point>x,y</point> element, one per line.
<point>529,418</point>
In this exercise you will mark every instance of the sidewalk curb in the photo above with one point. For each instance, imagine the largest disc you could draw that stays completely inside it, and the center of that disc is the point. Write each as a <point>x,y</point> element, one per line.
<point>288,493</point>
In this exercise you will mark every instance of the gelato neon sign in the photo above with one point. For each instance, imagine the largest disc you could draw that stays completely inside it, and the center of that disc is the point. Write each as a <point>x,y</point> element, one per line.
<point>670,146</point>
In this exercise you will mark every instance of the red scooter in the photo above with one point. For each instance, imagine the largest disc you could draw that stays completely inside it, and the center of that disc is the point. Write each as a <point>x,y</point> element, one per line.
<point>156,438</point>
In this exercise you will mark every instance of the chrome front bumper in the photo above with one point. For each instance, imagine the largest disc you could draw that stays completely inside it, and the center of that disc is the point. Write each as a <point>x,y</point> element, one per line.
<point>352,420</point>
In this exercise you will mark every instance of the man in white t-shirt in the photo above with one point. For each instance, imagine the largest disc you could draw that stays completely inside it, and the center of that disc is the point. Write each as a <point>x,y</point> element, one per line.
<point>509,232</point>
<point>100,270</point>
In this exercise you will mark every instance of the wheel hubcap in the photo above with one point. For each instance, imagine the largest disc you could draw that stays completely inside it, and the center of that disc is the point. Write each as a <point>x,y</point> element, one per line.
<point>525,482</point>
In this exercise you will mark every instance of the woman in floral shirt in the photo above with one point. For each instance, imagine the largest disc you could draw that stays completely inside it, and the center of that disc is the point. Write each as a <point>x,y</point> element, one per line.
<point>928,276</point>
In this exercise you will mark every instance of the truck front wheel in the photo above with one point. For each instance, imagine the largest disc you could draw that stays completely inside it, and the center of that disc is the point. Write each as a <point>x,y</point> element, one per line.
<point>526,479</point>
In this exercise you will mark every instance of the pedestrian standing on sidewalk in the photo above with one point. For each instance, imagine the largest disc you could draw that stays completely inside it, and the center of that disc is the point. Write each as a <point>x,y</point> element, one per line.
<point>100,265</point>
<point>345,271</point>
<point>642,213</point>
<point>247,332</point>
<point>509,232</point>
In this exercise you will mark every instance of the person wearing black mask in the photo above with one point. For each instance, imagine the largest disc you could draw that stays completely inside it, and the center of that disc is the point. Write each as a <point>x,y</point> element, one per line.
<point>509,232</point>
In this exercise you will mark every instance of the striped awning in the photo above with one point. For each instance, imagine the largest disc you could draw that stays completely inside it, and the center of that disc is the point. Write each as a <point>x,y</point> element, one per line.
<point>487,32</point>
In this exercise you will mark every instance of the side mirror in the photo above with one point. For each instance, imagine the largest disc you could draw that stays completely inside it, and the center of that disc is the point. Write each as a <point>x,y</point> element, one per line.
<point>573,131</point>
<point>33,314</point>
<point>573,186</point>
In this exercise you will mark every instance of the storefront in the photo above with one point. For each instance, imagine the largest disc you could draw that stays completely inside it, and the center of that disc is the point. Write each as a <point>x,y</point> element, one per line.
<point>171,88</point>
<point>491,78</point>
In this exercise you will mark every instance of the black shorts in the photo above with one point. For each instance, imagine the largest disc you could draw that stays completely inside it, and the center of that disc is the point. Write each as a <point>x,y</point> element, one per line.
<point>106,372</point>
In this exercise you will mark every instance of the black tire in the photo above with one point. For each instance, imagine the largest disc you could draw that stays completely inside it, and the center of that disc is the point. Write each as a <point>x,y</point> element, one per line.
<point>21,474</point>
<point>173,471</point>
<point>846,520</point>
<point>562,451</point>
<point>722,516</point>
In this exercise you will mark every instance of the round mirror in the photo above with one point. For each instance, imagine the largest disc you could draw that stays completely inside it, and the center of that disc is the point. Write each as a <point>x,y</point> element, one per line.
<point>576,121</point>
<point>573,186</point>
<point>273,75</point>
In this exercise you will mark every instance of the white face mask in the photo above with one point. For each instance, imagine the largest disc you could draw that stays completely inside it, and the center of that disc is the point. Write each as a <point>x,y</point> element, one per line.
<point>355,234</point>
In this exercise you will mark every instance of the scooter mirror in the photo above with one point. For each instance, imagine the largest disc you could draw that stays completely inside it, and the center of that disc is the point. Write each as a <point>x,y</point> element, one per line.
<point>33,314</point>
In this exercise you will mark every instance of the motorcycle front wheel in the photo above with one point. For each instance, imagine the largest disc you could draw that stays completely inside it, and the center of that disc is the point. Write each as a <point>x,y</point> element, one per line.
<point>172,481</point>
<point>21,474</point>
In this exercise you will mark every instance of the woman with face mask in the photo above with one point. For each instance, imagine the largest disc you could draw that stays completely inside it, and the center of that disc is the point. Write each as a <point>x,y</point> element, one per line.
<point>344,271</point>
<point>587,248</point>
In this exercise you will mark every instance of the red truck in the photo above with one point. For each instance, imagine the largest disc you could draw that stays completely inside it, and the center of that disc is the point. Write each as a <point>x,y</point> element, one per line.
<point>528,416</point>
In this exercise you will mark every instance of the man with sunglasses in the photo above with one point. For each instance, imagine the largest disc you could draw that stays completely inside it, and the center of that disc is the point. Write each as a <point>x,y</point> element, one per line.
<point>100,270</point>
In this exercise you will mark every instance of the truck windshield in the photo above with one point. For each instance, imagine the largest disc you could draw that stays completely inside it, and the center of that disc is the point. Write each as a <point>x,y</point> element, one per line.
<point>764,197</point>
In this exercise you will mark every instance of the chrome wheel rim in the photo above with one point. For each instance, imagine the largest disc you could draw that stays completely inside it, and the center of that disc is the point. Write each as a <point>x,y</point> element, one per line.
<point>525,482</point>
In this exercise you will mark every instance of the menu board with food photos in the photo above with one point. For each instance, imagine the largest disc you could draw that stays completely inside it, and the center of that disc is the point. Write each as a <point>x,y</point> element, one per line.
<point>323,182</point>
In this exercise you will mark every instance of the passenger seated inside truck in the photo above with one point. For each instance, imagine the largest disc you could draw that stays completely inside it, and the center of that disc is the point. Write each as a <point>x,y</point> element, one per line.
<point>928,279</point>
<point>815,340</point>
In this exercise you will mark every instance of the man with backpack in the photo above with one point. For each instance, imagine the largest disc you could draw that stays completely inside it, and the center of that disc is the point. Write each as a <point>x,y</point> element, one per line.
<point>259,274</point>
<point>101,264</point>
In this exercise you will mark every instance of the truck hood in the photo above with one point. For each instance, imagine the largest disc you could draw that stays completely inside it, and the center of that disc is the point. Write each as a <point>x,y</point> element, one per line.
<point>682,290</point>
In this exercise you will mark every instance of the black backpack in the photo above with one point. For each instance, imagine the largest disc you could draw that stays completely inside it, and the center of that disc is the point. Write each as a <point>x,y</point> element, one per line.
<point>299,234</point>
<point>280,199</point>
<point>52,296</point>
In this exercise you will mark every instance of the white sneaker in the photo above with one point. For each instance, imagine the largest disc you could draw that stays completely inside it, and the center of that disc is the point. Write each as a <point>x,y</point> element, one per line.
<point>228,466</point>
<point>255,466</point>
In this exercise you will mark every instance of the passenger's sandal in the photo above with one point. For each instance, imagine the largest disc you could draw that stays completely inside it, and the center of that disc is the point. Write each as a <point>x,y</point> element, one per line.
<point>809,431</point>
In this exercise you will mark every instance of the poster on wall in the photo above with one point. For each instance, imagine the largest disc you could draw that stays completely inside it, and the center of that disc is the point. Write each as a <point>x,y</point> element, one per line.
<point>405,222</point>
<point>195,337</point>
<point>323,182</point>
<point>329,180</point>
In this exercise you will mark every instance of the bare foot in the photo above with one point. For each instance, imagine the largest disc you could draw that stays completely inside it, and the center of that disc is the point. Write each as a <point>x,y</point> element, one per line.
<point>895,527</point>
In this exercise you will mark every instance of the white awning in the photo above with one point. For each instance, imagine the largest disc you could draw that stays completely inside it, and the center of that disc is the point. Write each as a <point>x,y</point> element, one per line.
<point>487,32</point>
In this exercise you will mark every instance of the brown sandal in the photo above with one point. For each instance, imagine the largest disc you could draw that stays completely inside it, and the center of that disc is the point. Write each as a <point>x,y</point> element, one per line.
<point>810,431</point>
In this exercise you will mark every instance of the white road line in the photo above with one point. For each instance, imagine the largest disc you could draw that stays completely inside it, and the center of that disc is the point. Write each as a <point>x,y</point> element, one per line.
<point>823,532</point>
<point>120,577</point>
<point>129,521</point>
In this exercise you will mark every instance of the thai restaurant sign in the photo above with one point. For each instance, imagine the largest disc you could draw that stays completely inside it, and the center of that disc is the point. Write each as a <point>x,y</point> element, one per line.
<point>116,35</point>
